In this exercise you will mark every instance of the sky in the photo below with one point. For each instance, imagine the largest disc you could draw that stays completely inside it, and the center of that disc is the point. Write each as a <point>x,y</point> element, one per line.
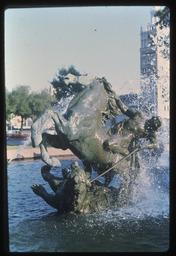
<point>102,41</point>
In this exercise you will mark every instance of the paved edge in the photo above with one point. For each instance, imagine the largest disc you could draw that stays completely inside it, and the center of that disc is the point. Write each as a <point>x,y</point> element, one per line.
<point>34,153</point>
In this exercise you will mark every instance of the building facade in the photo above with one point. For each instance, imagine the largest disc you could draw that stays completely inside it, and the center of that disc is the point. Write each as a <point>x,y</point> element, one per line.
<point>154,70</point>
<point>15,123</point>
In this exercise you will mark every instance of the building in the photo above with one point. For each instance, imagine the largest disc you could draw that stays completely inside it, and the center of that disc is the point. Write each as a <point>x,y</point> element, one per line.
<point>15,123</point>
<point>154,70</point>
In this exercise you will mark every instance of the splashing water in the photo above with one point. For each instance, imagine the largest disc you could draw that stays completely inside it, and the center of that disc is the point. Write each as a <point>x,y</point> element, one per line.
<point>142,226</point>
<point>21,147</point>
<point>150,197</point>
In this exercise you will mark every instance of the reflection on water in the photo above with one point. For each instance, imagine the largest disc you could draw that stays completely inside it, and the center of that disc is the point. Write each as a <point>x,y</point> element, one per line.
<point>34,226</point>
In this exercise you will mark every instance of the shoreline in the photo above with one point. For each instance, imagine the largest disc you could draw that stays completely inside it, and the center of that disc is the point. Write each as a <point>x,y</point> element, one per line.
<point>34,153</point>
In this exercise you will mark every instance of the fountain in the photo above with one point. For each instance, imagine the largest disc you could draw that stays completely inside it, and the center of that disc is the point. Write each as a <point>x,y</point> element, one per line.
<point>108,151</point>
<point>143,225</point>
<point>130,221</point>
<point>21,147</point>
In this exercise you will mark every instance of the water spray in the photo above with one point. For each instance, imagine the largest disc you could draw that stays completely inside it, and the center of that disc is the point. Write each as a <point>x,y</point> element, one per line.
<point>134,151</point>
<point>19,149</point>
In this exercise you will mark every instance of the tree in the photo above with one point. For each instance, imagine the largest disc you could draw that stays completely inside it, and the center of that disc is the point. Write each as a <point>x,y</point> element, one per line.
<point>72,70</point>
<point>163,17</point>
<point>19,102</point>
<point>8,108</point>
<point>155,84</point>
<point>62,90</point>
<point>162,40</point>
<point>39,102</point>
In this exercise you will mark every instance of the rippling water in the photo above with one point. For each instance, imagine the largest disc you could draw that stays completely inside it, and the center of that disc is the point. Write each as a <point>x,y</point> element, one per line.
<point>34,226</point>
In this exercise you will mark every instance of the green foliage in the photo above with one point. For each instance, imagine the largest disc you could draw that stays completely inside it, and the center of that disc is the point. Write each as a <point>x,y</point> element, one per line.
<point>21,103</point>
<point>63,72</point>
<point>164,17</point>
<point>73,71</point>
<point>19,100</point>
<point>163,39</point>
<point>62,90</point>
<point>39,102</point>
<point>8,108</point>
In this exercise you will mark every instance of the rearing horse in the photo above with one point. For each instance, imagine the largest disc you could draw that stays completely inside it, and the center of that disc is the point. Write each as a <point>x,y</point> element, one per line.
<point>81,131</point>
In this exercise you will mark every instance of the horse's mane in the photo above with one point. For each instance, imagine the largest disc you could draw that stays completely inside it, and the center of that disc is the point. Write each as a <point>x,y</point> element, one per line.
<point>111,110</point>
<point>64,91</point>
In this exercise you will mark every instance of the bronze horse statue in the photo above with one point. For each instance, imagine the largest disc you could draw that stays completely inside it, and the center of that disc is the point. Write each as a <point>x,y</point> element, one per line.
<point>80,130</point>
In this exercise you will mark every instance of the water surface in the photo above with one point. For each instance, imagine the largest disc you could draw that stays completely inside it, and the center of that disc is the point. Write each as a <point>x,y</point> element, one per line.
<point>34,226</point>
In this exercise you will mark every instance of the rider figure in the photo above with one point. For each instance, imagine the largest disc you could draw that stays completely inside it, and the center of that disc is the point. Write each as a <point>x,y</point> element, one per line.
<point>123,134</point>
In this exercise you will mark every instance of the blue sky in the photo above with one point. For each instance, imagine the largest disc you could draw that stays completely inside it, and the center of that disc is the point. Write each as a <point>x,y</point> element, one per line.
<point>103,41</point>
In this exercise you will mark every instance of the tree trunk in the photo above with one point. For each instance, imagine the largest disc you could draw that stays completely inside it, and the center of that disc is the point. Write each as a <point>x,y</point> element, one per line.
<point>22,123</point>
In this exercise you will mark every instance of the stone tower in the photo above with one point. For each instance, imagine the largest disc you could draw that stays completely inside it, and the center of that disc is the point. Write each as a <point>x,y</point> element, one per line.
<point>152,64</point>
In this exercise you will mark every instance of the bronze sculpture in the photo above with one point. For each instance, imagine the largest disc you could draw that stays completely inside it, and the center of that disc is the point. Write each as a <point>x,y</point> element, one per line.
<point>80,129</point>
<point>74,192</point>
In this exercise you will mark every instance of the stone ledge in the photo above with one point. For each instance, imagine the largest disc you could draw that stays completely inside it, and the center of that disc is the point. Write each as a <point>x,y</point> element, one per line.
<point>34,153</point>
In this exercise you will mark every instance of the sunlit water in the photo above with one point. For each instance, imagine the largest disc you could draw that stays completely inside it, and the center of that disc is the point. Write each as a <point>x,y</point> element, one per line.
<point>34,226</point>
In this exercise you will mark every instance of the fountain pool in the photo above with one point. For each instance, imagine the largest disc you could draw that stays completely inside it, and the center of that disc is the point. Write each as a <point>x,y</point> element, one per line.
<point>34,226</point>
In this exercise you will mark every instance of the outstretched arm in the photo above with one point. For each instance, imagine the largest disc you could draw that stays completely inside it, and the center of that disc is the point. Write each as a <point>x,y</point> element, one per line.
<point>49,198</point>
<point>152,145</point>
<point>126,111</point>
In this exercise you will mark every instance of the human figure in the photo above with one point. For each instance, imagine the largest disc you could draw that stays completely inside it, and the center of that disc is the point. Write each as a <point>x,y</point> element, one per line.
<point>124,138</point>
<point>126,134</point>
<point>74,191</point>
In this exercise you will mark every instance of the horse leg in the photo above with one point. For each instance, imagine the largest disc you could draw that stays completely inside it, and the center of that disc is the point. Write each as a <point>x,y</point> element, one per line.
<point>64,127</point>
<point>51,161</point>
<point>56,141</point>
<point>61,123</point>
<point>39,140</point>
<point>36,128</point>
